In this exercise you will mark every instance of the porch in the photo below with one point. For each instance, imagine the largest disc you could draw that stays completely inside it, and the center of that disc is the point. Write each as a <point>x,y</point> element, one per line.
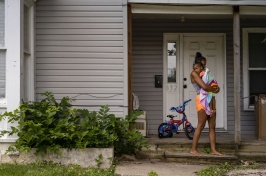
<point>176,149</point>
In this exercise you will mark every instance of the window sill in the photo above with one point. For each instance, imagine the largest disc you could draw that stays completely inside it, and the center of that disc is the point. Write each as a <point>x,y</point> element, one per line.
<point>3,103</point>
<point>7,140</point>
<point>249,108</point>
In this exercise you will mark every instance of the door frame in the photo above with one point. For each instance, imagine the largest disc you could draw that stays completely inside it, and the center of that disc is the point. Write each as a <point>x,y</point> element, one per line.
<point>178,38</point>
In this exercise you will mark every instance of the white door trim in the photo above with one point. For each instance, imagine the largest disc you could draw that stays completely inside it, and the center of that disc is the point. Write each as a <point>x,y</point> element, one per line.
<point>168,37</point>
<point>178,38</point>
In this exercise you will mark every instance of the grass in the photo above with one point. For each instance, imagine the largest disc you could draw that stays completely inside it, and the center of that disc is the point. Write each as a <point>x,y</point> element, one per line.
<point>225,168</point>
<point>49,169</point>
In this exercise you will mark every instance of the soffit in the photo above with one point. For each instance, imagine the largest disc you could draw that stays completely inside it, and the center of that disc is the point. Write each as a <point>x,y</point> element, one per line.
<point>194,12</point>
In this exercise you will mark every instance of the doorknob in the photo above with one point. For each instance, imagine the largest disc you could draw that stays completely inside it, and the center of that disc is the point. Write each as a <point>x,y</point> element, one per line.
<point>185,79</point>
<point>185,86</point>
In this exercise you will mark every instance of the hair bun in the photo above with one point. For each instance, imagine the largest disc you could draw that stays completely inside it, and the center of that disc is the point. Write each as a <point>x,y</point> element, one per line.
<point>198,54</point>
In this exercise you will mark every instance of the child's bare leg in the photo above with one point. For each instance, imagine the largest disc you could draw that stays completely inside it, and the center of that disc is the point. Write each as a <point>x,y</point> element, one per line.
<point>212,106</point>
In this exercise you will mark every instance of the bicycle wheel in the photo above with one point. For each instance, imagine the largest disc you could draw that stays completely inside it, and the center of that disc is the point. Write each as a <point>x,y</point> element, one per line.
<point>189,131</point>
<point>164,131</point>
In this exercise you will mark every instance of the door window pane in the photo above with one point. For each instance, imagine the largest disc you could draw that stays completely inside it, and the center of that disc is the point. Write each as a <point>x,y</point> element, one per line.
<point>171,62</point>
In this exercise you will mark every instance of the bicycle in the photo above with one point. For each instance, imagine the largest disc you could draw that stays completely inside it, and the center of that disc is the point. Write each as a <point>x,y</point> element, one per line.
<point>172,126</point>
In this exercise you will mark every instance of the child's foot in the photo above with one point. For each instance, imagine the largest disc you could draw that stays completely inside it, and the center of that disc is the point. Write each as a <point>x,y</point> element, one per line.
<point>217,153</point>
<point>195,152</point>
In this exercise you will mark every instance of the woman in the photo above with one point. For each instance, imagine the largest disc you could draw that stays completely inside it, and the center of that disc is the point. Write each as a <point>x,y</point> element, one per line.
<point>202,116</point>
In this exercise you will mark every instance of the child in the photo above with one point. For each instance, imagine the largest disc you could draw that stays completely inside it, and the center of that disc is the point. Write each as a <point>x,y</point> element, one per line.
<point>207,98</point>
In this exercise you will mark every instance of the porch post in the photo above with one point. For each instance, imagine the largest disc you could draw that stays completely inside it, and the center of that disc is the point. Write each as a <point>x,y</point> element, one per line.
<point>129,58</point>
<point>14,53</point>
<point>236,44</point>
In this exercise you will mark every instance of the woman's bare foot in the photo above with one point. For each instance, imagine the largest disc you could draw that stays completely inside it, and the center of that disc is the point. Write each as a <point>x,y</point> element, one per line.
<point>195,152</point>
<point>217,153</point>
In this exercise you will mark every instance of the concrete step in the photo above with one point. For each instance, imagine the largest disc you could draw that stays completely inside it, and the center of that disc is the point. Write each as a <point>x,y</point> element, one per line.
<point>203,159</point>
<point>180,153</point>
<point>177,149</point>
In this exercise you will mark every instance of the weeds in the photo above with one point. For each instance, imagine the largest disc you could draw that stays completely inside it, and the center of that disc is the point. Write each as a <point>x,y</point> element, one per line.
<point>50,169</point>
<point>152,173</point>
<point>224,169</point>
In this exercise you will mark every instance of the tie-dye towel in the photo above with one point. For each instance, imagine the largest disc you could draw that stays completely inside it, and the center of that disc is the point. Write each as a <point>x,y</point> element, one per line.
<point>206,97</point>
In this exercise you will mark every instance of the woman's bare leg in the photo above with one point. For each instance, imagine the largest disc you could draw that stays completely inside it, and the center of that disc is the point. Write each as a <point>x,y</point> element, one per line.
<point>202,117</point>
<point>212,134</point>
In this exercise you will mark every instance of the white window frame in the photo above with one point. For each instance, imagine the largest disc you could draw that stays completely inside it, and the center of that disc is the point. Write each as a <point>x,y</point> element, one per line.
<point>29,55</point>
<point>3,101</point>
<point>246,68</point>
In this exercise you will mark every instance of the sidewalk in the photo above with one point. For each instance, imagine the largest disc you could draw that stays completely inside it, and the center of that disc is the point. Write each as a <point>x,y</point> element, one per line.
<point>143,167</point>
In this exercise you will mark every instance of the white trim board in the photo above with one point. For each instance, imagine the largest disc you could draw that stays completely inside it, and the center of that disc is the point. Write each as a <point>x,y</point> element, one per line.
<point>196,10</point>
<point>164,9</point>
<point>202,2</point>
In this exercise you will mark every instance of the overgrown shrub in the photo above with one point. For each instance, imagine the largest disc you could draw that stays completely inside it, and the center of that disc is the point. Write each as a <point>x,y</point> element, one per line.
<point>49,125</point>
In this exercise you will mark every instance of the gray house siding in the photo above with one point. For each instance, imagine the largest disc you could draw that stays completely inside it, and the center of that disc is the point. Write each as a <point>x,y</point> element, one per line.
<point>147,61</point>
<point>79,50</point>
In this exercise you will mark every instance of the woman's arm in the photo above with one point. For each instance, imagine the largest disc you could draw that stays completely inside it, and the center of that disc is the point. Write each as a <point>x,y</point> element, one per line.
<point>199,81</point>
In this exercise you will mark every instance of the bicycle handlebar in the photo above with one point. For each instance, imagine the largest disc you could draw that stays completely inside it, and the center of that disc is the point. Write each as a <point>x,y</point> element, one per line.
<point>186,102</point>
<point>182,107</point>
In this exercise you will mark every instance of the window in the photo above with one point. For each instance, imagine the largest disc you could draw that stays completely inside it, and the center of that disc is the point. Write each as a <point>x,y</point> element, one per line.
<point>28,60</point>
<point>2,52</point>
<point>254,65</point>
<point>171,62</point>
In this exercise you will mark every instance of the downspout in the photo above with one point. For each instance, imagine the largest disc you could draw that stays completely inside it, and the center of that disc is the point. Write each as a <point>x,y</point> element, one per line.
<point>236,44</point>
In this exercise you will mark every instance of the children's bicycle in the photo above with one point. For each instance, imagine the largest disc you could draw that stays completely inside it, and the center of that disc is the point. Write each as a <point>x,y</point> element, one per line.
<point>172,126</point>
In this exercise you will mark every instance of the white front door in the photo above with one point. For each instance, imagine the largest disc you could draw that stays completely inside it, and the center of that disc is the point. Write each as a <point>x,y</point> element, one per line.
<point>177,69</point>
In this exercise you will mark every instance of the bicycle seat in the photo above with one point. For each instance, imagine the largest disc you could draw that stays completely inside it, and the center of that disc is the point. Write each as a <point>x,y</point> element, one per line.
<point>171,116</point>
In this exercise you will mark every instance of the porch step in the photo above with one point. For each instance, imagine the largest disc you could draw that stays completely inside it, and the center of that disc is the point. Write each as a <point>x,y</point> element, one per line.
<point>229,148</point>
<point>177,149</point>
<point>180,153</point>
<point>252,151</point>
<point>203,159</point>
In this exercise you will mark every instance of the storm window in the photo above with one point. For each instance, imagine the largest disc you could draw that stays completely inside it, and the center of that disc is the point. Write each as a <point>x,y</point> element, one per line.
<point>254,65</point>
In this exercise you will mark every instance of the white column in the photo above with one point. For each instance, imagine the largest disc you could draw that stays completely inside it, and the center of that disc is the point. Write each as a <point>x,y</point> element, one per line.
<point>14,53</point>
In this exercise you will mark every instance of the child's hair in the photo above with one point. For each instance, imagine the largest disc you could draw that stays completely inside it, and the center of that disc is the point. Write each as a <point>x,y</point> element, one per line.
<point>199,57</point>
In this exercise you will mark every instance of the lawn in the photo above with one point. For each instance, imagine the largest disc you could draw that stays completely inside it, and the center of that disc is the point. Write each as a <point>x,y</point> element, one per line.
<point>49,169</point>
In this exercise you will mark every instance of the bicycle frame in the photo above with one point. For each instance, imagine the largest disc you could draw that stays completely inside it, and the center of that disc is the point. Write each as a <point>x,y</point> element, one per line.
<point>172,126</point>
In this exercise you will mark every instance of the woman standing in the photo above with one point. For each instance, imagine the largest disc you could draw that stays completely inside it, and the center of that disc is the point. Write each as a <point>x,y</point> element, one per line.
<point>202,116</point>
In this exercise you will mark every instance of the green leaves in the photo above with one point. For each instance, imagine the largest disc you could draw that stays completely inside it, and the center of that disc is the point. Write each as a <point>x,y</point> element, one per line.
<point>49,125</point>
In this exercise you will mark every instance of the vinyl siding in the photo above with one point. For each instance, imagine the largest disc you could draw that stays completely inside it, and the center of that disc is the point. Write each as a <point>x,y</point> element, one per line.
<point>80,52</point>
<point>147,61</point>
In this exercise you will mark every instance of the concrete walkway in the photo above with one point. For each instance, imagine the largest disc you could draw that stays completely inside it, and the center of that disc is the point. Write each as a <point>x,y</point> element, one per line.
<point>143,167</point>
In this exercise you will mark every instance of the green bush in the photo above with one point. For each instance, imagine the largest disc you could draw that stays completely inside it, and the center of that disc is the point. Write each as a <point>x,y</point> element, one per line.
<point>49,125</point>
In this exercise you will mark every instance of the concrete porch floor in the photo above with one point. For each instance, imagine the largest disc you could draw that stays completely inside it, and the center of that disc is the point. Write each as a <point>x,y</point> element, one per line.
<point>204,138</point>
